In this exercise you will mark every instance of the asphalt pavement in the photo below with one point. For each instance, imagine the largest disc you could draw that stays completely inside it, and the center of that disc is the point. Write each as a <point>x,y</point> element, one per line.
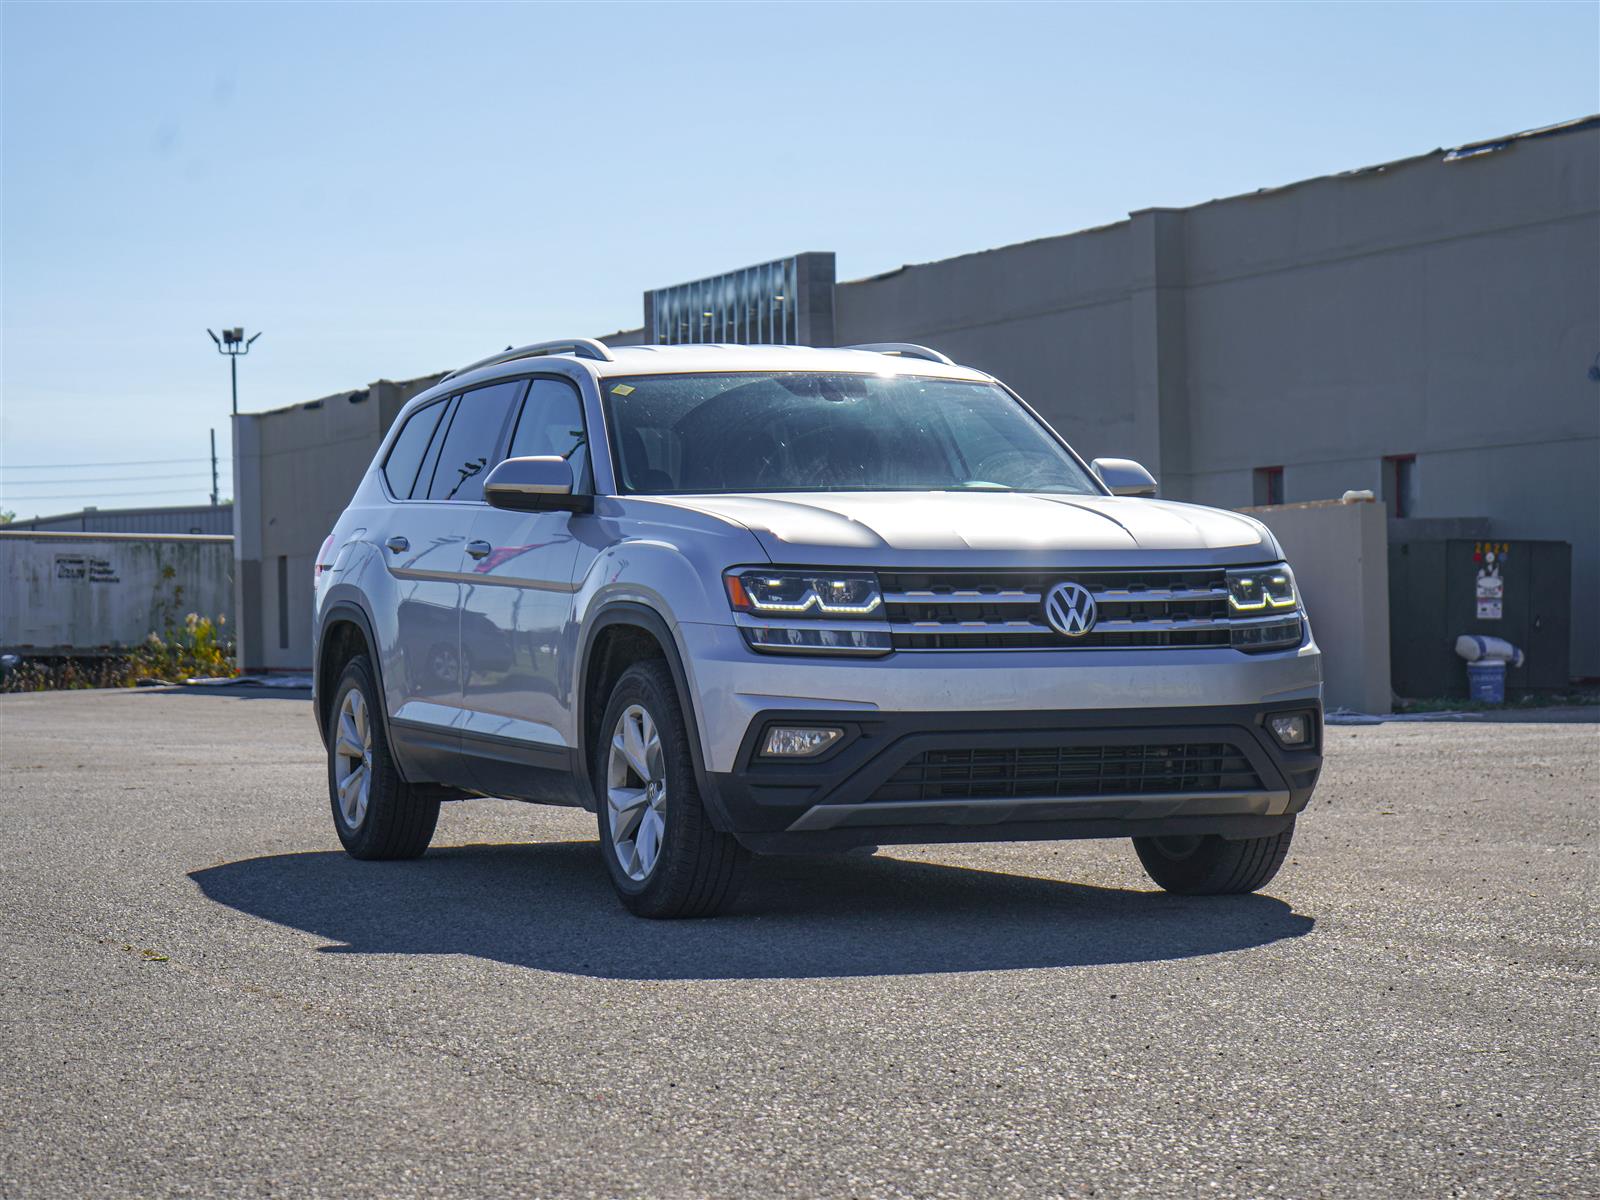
<point>200,995</point>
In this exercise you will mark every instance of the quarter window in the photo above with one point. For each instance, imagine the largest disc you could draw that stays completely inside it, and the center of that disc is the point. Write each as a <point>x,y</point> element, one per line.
<point>470,442</point>
<point>552,424</point>
<point>1268,483</point>
<point>1400,484</point>
<point>405,456</point>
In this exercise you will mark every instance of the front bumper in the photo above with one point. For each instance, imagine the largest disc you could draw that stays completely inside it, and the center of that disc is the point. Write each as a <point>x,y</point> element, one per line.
<point>733,685</point>
<point>898,708</point>
<point>858,795</point>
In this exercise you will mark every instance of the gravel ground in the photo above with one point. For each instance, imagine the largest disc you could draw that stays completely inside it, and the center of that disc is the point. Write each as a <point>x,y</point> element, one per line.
<point>200,995</point>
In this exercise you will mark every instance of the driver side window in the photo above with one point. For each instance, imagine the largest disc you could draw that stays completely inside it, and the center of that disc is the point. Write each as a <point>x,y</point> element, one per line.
<point>551,423</point>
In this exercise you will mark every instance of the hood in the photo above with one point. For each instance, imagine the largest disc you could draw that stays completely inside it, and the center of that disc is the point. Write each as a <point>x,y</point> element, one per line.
<point>973,528</point>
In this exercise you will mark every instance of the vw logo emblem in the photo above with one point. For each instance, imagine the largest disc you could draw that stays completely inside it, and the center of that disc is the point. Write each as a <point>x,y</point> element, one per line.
<point>1069,607</point>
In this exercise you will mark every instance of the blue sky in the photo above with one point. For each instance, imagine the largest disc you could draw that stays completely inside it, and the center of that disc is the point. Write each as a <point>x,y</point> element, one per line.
<point>393,190</point>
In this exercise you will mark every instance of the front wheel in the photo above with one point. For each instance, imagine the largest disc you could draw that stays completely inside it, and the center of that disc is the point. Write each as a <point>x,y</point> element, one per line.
<point>664,856</point>
<point>1213,866</point>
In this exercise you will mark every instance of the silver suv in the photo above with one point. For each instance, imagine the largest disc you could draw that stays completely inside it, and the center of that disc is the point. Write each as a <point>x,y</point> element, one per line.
<point>745,600</point>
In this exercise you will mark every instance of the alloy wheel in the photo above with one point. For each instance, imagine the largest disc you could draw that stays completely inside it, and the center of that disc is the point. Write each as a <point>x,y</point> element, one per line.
<point>636,793</point>
<point>352,762</point>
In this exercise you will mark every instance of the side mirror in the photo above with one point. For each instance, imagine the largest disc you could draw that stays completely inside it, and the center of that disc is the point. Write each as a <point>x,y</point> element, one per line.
<point>534,485</point>
<point>1124,477</point>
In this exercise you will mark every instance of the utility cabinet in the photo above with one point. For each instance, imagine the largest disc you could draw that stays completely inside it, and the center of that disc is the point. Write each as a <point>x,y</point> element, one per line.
<point>1442,588</point>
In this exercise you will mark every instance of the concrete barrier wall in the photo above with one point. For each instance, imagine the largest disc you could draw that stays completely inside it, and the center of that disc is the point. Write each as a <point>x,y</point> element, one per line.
<point>86,593</point>
<point>1340,556</point>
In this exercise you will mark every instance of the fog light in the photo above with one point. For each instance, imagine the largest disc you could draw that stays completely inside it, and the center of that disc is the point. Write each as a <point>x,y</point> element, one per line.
<point>1291,729</point>
<point>785,741</point>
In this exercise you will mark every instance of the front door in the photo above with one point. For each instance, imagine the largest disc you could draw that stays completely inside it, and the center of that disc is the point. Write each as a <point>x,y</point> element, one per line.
<point>426,555</point>
<point>517,646</point>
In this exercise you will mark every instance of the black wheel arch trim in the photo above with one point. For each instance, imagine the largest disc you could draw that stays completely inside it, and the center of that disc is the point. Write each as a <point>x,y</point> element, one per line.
<point>346,610</point>
<point>633,612</point>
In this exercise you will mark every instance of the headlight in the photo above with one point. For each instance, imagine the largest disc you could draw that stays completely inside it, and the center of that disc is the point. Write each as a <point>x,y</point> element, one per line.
<point>809,612</point>
<point>1257,591</point>
<point>809,594</point>
<point>1264,602</point>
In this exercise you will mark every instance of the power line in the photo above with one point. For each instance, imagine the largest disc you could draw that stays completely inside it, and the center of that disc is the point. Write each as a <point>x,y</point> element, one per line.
<point>149,462</point>
<point>8,499</point>
<point>103,479</point>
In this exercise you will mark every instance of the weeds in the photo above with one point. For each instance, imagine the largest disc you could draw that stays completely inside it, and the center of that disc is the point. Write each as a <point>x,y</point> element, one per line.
<point>197,648</point>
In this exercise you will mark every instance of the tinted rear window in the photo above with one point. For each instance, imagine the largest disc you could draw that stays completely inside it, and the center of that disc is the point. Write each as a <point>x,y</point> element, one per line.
<point>405,456</point>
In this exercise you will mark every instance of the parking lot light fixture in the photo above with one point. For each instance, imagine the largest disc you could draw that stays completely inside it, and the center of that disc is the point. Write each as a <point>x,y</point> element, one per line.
<point>233,343</point>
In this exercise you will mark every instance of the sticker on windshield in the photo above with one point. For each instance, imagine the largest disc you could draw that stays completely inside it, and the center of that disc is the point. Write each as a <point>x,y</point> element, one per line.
<point>622,389</point>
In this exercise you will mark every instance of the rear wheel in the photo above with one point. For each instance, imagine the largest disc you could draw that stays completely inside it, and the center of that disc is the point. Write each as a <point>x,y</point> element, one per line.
<point>1210,865</point>
<point>376,813</point>
<point>664,856</point>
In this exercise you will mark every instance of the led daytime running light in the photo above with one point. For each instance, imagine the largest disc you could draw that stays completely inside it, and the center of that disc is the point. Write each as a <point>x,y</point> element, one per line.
<point>1253,591</point>
<point>752,592</point>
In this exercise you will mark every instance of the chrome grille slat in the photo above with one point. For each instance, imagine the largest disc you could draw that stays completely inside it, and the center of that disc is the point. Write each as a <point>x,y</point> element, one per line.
<point>1158,608</point>
<point>923,596</point>
<point>1113,595</point>
<point>968,625</point>
<point>1104,596</point>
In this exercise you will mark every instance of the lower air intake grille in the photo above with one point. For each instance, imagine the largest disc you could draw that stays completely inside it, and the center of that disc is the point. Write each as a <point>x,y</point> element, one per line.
<point>1019,772</point>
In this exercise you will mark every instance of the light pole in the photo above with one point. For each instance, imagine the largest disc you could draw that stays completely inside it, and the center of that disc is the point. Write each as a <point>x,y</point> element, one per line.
<point>233,344</point>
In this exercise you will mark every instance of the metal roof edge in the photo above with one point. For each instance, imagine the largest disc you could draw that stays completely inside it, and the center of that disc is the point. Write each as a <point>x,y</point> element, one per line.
<point>89,536</point>
<point>1465,150</point>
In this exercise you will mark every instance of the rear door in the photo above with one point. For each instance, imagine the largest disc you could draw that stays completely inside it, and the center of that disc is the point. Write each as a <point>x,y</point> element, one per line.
<point>425,553</point>
<point>518,649</point>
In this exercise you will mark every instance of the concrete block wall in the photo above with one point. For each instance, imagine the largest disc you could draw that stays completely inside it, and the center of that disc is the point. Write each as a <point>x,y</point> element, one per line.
<point>1340,556</point>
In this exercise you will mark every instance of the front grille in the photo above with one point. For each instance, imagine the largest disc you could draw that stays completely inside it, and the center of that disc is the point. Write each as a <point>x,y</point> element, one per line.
<point>975,610</point>
<point>1033,771</point>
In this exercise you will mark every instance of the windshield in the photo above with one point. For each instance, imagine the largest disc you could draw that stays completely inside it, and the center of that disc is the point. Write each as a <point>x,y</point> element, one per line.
<point>813,432</point>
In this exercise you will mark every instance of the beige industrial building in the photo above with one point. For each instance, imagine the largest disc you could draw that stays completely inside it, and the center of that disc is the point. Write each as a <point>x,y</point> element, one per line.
<point>1428,329</point>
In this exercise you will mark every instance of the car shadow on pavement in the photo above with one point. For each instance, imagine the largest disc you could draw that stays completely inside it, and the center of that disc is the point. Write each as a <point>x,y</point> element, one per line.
<point>550,906</point>
<point>237,691</point>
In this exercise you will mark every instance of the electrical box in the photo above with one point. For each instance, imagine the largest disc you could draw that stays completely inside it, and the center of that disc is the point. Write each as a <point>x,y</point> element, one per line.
<point>1517,590</point>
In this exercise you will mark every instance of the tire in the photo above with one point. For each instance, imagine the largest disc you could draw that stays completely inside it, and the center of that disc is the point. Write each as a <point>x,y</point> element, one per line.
<point>675,863</point>
<point>1212,865</point>
<point>394,822</point>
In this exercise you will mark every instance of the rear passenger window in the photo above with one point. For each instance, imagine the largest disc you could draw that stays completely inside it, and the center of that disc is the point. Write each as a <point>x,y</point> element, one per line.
<point>470,442</point>
<point>405,456</point>
<point>552,423</point>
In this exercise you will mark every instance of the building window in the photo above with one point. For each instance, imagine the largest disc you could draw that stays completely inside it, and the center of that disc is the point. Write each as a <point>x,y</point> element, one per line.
<point>283,602</point>
<point>757,305</point>
<point>786,302</point>
<point>1268,485</point>
<point>1400,484</point>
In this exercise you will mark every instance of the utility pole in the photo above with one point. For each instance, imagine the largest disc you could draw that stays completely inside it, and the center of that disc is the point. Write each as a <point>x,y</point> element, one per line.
<point>215,498</point>
<point>233,344</point>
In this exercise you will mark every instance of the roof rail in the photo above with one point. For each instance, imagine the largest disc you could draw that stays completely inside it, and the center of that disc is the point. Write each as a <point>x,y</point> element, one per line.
<point>578,347</point>
<point>905,350</point>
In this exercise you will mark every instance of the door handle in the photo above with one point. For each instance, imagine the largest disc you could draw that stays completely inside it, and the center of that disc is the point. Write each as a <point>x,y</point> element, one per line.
<point>398,544</point>
<point>479,549</point>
